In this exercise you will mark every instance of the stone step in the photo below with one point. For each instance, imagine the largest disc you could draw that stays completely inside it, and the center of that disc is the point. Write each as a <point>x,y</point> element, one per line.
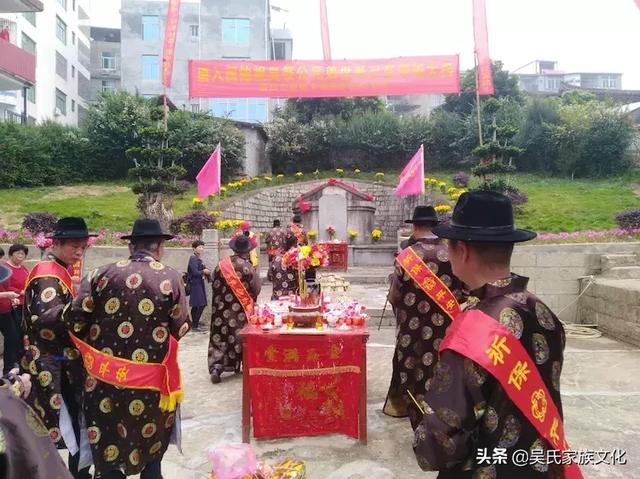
<point>622,272</point>
<point>609,261</point>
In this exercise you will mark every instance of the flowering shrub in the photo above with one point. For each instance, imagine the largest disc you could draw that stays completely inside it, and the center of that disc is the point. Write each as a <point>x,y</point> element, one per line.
<point>223,189</point>
<point>443,186</point>
<point>193,223</point>
<point>353,234</point>
<point>225,225</point>
<point>280,176</point>
<point>36,223</point>
<point>517,197</point>
<point>442,209</point>
<point>629,219</point>
<point>379,174</point>
<point>461,180</point>
<point>196,204</point>
<point>42,241</point>
<point>305,257</point>
<point>299,174</point>
<point>312,234</point>
<point>268,179</point>
<point>617,233</point>
<point>376,234</point>
<point>356,171</point>
<point>340,171</point>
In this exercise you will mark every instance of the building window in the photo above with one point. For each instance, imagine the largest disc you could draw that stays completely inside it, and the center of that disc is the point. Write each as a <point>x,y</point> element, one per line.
<point>30,17</point>
<point>195,31</point>
<point>61,66</point>
<point>236,31</point>
<point>195,108</point>
<point>608,82</point>
<point>61,30</point>
<point>61,103</point>
<point>63,3</point>
<point>73,105</point>
<point>31,94</point>
<point>108,86</point>
<point>28,44</point>
<point>552,83</point>
<point>73,71</point>
<point>252,110</point>
<point>108,61</point>
<point>150,28</point>
<point>150,67</point>
<point>279,50</point>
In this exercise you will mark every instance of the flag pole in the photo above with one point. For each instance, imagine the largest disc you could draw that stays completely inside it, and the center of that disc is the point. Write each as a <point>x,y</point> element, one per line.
<point>475,61</point>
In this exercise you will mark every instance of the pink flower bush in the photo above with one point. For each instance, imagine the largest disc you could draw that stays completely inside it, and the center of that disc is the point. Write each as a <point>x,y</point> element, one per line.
<point>590,235</point>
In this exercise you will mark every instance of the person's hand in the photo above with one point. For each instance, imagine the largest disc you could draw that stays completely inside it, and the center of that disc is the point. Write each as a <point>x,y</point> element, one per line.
<point>12,295</point>
<point>24,380</point>
<point>206,271</point>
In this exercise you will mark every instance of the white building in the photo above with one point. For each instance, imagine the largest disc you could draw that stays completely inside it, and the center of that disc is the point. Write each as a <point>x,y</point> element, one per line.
<point>59,38</point>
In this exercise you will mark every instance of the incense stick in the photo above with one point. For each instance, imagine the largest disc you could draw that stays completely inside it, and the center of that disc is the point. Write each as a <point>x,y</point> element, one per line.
<point>416,402</point>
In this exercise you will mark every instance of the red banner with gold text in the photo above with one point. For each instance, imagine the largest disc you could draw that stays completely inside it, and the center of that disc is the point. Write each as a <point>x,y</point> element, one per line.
<point>305,385</point>
<point>306,78</point>
<point>170,33</point>
<point>481,37</point>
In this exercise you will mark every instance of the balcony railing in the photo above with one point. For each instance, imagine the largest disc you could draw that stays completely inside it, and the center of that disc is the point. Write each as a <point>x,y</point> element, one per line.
<point>17,63</point>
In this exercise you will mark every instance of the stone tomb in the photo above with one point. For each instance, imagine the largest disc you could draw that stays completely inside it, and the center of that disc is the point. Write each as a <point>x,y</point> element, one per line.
<point>340,205</point>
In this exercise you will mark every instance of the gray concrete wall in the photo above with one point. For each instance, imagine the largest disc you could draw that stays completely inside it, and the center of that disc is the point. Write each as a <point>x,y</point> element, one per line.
<point>554,270</point>
<point>208,15</point>
<point>255,162</point>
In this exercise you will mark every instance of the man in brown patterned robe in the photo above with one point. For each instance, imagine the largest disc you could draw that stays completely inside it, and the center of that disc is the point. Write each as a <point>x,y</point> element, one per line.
<point>275,241</point>
<point>229,315</point>
<point>284,279</point>
<point>421,322</point>
<point>467,410</point>
<point>129,310</point>
<point>25,448</point>
<point>54,363</point>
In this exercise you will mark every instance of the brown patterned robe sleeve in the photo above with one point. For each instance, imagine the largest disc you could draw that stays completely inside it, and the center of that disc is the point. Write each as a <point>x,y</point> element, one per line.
<point>78,318</point>
<point>46,300</point>
<point>452,407</point>
<point>179,312</point>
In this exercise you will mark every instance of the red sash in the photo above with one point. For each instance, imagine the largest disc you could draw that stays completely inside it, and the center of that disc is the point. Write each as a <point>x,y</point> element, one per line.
<point>163,377</point>
<point>240,292</point>
<point>297,232</point>
<point>479,337</point>
<point>52,269</point>
<point>428,281</point>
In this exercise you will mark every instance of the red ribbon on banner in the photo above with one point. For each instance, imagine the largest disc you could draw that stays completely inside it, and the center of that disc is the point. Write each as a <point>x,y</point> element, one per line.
<point>169,47</point>
<point>481,37</point>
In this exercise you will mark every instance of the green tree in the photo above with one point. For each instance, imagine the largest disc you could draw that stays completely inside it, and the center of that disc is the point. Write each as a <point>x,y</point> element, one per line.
<point>112,127</point>
<point>505,85</point>
<point>497,155</point>
<point>196,135</point>
<point>155,172</point>
<point>535,135</point>
<point>307,109</point>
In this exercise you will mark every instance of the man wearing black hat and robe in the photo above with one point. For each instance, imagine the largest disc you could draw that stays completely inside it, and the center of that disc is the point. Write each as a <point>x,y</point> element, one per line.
<point>421,311</point>
<point>127,321</point>
<point>53,361</point>
<point>275,240</point>
<point>496,388</point>
<point>236,286</point>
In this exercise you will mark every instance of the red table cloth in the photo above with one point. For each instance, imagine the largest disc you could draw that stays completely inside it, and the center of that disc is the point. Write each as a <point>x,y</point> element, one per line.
<point>304,384</point>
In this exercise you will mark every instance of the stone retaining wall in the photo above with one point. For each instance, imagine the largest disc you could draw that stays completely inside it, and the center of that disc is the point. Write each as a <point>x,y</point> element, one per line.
<point>263,206</point>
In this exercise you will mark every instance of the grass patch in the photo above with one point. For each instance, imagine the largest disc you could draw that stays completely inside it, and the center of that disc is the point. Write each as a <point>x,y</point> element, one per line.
<point>555,204</point>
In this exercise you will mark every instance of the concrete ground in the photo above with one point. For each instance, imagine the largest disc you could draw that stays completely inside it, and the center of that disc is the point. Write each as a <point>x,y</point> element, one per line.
<point>600,388</point>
